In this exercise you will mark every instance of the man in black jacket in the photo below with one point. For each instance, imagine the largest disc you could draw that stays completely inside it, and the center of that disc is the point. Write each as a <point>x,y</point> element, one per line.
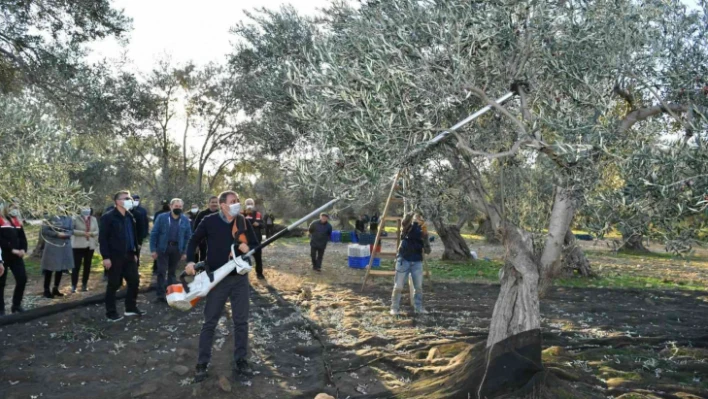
<point>221,230</point>
<point>118,240</point>
<point>320,233</point>
<point>141,222</point>
<point>200,255</point>
<point>254,217</point>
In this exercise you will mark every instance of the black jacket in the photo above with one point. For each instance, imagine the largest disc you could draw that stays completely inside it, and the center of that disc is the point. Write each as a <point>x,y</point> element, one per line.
<point>360,225</point>
<point>219,237</point>
<point>201,215</point>
<point>11,238</point>
<point>141,220</point>
<point>255,217</point>
<point>320,234</point>
<point>111,234</point>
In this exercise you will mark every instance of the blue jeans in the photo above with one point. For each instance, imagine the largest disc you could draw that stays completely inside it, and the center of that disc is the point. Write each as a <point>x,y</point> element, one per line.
<point>403,269</point>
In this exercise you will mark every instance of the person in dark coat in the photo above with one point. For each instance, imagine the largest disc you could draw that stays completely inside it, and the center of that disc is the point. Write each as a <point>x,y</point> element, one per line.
<point>200,254</point>
<point>254,217</point>
<point>141,222</point>
<point>320,233</point>
<point>374,223</point>
<point>118,242</point>
<point>13,245</point>
<point>221,231</point>
<point>269,221</point>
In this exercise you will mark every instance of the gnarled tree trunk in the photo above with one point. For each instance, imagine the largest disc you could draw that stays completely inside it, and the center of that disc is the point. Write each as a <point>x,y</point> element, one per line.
<point>574,258</point>
<point>524,276</point>
<point>486,229</point>
<point>517,307</point>
<point>633,243</point>
<point>456,248</point>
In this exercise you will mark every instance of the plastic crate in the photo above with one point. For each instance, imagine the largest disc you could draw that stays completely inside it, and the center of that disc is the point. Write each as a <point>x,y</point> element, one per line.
<point>336,236</point>
<point>377,262</point>
<point>357,262</point>
<point>345,236</point>
<point>355,239</point>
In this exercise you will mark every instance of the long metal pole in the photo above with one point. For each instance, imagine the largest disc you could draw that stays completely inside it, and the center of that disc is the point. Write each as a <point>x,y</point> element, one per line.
<point>410,157</point>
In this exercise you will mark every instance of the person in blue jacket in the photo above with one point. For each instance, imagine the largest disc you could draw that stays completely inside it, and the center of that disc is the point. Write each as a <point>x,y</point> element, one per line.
<point>168,244</point>
<point>410,262</point>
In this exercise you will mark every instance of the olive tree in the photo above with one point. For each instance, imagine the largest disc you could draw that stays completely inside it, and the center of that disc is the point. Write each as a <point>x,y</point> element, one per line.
<point>390,74</point>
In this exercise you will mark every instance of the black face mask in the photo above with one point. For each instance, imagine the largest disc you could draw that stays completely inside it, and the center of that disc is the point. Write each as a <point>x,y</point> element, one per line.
<point>177,211</point>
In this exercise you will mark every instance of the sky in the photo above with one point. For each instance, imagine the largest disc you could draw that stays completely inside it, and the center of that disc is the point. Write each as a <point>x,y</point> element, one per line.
<point>184,30</point>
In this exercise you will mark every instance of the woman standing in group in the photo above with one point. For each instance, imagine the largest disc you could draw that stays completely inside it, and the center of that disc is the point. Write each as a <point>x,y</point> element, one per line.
<point>83,242</point>
<point>14,247</point>
<point>58,256</point>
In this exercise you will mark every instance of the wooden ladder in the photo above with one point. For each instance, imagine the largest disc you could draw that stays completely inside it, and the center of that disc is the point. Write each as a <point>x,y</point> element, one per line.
<point>382,227</point>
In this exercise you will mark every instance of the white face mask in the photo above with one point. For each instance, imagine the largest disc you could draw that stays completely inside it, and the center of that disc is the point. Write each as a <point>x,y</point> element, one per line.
<point>194,210</point>
<point>136,203</point>
<point>128,204</point>
<point>234,209</point>
<point>14,213</point>
<point>249,207</point>
<point>85,212</point>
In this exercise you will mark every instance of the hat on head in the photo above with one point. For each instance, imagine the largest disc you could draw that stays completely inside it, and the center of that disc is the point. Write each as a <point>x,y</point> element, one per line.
<point>136,197</point>
<point>324,214</point>
<point>165,202</point>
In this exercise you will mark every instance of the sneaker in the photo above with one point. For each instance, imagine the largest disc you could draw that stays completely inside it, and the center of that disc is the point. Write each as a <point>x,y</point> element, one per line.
<point>261,277</point>
<point>318,270</point>
<point>135,312</point>
<point>201,373</point>
<point>56,292</point>
<point>84,288</point>
<point>114,317</point>
<point>394,312</point>
<point>73,289</point>
<point>48,294</point>
<point>242,369</point>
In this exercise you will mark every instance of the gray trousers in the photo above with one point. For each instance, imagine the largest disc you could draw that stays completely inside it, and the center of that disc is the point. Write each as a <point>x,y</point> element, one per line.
<point>236,289</point>
<point>167,266</point>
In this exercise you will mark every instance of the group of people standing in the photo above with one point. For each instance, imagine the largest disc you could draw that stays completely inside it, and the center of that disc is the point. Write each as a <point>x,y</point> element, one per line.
<point>70,242</point>
<point>69,245</point>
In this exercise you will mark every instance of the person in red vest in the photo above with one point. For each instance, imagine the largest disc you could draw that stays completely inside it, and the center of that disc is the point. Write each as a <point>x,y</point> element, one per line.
<point>256,220</point>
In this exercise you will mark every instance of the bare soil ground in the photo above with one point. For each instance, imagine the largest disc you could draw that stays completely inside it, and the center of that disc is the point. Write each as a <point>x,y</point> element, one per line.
<point>313,333</point>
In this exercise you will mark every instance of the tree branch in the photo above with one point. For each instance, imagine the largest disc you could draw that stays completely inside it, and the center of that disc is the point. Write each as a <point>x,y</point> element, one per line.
<point>513,151</point>
<point>646,113</point>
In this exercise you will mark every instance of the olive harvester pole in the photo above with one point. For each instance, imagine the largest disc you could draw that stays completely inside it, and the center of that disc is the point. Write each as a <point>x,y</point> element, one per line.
<point>185,295</point>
